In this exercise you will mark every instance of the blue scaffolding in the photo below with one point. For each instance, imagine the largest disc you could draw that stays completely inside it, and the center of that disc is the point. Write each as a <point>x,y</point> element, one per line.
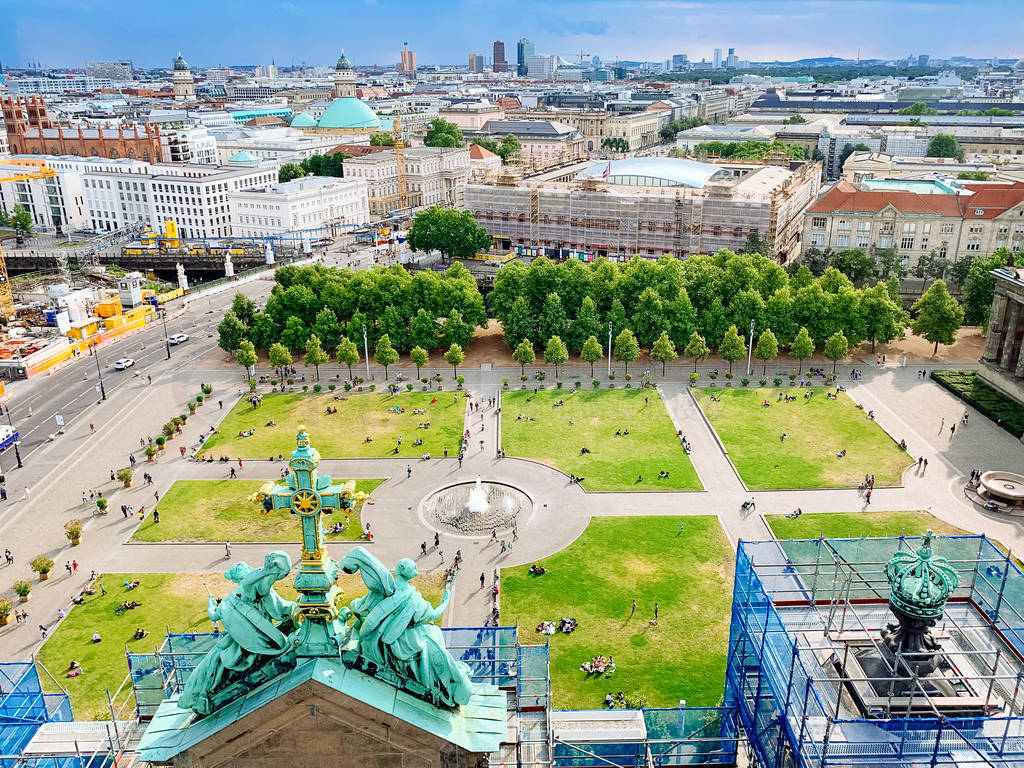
<point>798,608</point>
<point>24,708</point>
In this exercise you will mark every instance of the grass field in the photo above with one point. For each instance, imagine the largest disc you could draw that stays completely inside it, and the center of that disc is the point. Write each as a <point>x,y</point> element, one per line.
<point>617,560</point>
<point>849,525</point>
<point>614,462</point>
<point>169,601</point>
<point>817,430</point>
<point>220,510</point>
<point>343,434</point>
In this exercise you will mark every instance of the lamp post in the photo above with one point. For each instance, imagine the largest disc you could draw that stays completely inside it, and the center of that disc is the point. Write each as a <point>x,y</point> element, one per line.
<point>366,353</point>
<point>609,348</point>
<point>167,342</point>
<point>750,346</point>
<point>17,453</point>
<point>99,373</point>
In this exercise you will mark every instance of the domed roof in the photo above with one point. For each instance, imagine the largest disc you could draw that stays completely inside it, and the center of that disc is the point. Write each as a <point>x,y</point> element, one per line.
<point>180,64</point>
<point>243,157</point>
<point>303,120</point>
<point>342,64</point>
<point>349,112</point>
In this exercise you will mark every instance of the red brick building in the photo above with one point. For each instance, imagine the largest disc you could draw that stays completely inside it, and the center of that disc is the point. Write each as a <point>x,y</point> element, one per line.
<point>30,131</point>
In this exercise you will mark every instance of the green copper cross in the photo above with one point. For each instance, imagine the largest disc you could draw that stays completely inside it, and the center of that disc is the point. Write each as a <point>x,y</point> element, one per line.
<point>306,493</point>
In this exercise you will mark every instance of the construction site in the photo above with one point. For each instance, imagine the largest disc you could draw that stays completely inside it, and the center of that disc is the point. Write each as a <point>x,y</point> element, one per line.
<point>648,207</point>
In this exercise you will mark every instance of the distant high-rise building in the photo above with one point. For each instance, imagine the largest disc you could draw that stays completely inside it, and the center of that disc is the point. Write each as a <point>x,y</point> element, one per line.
<point>595,61</point>
<point>541,67</point>
<point>922,60</point>
<point>408,63</point>
<point>476,63</point>
<point>732,60</point>
<point>718,58</point>
<point>498,51</point>
<point>679,62</point>
<point>524,50</point>
<point>272,69</point>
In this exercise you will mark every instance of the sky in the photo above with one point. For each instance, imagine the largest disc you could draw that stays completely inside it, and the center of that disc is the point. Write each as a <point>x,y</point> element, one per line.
<point>67,33</point>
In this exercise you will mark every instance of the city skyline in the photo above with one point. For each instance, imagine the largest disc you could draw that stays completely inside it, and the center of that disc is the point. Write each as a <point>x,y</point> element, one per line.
<point>236,33</point>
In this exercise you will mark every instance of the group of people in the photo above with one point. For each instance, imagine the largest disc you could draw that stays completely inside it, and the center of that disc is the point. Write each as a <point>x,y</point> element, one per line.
<point>599,665</point>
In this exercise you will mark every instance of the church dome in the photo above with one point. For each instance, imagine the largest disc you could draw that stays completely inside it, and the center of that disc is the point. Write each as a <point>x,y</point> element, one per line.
<point>348,112</point>
<point>342,65</point>
<point>303,120</point>
<point>180,64</point>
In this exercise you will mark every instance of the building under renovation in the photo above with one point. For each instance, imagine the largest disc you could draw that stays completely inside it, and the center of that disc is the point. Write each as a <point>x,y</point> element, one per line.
<point>649,206</point>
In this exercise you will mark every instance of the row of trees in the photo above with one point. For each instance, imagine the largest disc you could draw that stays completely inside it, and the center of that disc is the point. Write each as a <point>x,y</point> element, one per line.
<point>668,131</point>
<point>704,294</point>
<point>748,150</point>
<point>426,309</point>
<point>315,165</point>
<point>442,133</point>
<point>19,219</point>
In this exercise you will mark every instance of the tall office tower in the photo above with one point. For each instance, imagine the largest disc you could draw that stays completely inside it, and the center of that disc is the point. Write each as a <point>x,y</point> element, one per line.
<point>718,58</point>
<point>524,50</point>
<point>679,62</point>
<point>499,65</point>
<point>408,62</point>
<point>732,60</point>
<point>476,63</point>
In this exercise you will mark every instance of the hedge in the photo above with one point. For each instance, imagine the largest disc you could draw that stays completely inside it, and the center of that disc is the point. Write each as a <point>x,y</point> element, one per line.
<point>1005,411</point>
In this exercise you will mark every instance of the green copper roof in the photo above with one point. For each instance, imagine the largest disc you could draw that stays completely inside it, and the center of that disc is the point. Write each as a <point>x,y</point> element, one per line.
<point>242,157</point>
<point>303,120</point>
<point>349,112</point>
<point>478,726</point>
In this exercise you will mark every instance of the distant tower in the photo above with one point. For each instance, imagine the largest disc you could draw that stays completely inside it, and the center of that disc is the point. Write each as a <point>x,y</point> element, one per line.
<point>184,86</point>
<point>272,72</point>
<point>344,78</point>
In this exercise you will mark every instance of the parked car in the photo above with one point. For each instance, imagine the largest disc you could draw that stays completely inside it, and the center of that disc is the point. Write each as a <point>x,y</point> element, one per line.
<point>123,364</point>
<point>178,338</point>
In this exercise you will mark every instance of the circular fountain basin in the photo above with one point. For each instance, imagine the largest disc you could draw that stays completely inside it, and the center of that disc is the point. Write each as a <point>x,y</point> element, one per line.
<point>1004,487</point>
<point>448,509</point>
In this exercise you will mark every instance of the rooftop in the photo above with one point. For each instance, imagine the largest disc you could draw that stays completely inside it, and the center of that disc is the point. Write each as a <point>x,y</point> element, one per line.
<point>655,172</point>
<point>348,112</point>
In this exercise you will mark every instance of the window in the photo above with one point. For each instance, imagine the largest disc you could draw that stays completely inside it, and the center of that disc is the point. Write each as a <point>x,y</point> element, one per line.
<point>818,222</point>
<point>946,229</point>
<point>973,245</point>
<point>817,239</point>
<point>909,226</point>
<point>885,242</point>
<point>844,225</point>
<point>864,226</point>
<point>924,243</point>
<point>887,227</point>
<point>862,241</point>
<point>926,228</point>
<point>907,242</point>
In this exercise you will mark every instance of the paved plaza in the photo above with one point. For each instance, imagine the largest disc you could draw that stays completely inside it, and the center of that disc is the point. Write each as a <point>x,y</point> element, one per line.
<point>48,491</point>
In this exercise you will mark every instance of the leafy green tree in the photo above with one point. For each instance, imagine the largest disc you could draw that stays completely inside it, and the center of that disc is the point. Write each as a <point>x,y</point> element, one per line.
<point>280,357</point>
<point>524,355</point>
<point>555,353</point>
<point>423,330</point>
<point>356,323</point>
<point>295,333</point>
<point>849,149</point>
<point>553,321</point>
<point>455,330</point>
<point>395,326</point>
<point>649,320</point>
<point>264,331</point>
<point>509,148</point>
<point>767,348</point>
<point>617,316</point>
<point>980,287</point>
<point>664,351</point>
<point>454,358</point>
<point>487,143</point>
<point>231,332</point>
<point>626,348</point>
<point>244,308</point>
<point>348,353</point>
<point>889,263</point>
<point>315,354</point>
<point>452,232</point>
<point>836,348</point>
<point>778,315</point>
<point>420,357</point>
<point>615,144</point>
<point>443,134</point>
<point>245,355</point>
<point>884,318</point>
<point>385,354</point>
<point>592,352</point>
<point>327,328</point>
<point>973,175</point>
<point>944,145</point>
<point>331,164</point>
<point>290,171</point>
<point>803,347</point>
<point>794,120</point>
<point>733,347</point>
<point>919,108</point>
<point>586,324</point>
<point>381,139</point>
<point>681,316</point>
<point>697,348</point>
<point>520,323</point>
<point>937,315</point>
<point>854,263</point>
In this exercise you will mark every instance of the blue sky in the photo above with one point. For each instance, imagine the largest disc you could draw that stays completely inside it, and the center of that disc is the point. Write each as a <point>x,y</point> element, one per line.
<point>223,32</point>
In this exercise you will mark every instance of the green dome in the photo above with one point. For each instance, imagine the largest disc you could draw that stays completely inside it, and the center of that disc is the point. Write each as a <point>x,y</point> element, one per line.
<point>243,157</point>
<point>303,120</point>
<point>179,63</point>
<point>342,64</point>
<point>349,112</point>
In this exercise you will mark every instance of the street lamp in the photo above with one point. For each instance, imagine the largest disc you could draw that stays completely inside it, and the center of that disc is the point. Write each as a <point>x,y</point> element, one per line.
<point>366,353</point>
<point>17,453</point>
<point>750,346</point>
<point>167,342</point>
<point>99,373</point>
<point>609,348</point>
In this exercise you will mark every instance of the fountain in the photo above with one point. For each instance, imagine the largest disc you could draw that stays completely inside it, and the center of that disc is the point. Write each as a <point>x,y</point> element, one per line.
<point>477,508</point>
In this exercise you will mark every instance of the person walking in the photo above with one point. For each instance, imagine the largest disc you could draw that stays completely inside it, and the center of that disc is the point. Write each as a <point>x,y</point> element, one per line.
<point>483,578</point>
<point>655,611</point>
<point>460,461</point>
<point>632,610</point>
<point>942,424</point>
<point>423,548</point>
<point>925,469</point>
<point>440,552</point>
<point>221,404</point>
<point>67,567</point>
<point>437,540</point>
<point>952,431</point>
<point>867,496</point>
<point>156,494</point>
<point>74,566</point>
<point>408,471</point>
<point>239,463</point>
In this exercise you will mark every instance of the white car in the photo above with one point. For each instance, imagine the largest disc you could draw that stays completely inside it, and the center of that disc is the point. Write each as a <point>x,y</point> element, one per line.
<point>123,364</point>
<point>178,338</point>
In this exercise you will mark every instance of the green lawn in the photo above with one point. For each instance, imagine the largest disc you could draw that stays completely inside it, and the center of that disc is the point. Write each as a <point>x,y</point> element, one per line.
<point>850,525</point>
<point>594,580</point>
<point>614,463</point>
<point>220,510</point>
<point>175,601</point>
<point>818,429</point>
<point>343,434</point>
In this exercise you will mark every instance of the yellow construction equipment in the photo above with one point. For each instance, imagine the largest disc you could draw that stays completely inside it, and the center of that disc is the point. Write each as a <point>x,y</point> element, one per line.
<point>402,197</point>
<point>6,294</point>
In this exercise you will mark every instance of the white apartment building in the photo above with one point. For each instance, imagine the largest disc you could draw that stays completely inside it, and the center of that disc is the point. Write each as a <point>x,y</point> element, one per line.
<point>52,202</point>
<point>5,148</point>
<point>284,145</point>
<point>541,67</point>
<point>307,203</point>
<point>434,176</point>
<point>54,85</point>
<point>193,196</point>
<point>188,144</point>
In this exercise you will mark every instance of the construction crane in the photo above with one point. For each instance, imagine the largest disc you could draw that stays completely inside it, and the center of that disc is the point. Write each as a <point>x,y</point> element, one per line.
<point>581,54</point>
<point>402,198</point>
<point>6,294</point>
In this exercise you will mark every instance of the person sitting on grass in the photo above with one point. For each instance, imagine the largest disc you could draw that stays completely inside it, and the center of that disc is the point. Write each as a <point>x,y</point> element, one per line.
<point>662,475</point>
<point>140,633</point>
<point>96,637</point>
<point>584,450</point>
<point>74,665</point>
<point>271,423</point>
<point>783,436</point>
<point>368,439</point>
<point>765,404</point>
<point>841,453</point>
